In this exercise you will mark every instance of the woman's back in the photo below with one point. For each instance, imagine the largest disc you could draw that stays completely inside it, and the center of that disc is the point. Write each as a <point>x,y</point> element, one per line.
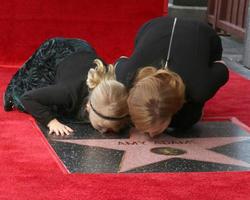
<point>195,47</point>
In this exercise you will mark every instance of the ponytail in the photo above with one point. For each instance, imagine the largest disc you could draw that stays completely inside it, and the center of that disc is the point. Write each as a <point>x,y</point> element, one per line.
<point>100,73</point>
<point>156,96</point>
<point>169,77</point>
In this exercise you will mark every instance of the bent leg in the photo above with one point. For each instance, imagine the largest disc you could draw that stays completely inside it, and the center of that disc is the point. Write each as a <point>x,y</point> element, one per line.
<point>190,114</point>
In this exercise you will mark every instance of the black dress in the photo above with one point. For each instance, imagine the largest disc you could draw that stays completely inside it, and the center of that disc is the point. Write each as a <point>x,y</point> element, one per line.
<point>53,81</point>
<point>194,49</point>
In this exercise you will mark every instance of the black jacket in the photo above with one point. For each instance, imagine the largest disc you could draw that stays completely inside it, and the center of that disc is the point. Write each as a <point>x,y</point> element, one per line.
<point>66,95</point>
<point>195,47</point>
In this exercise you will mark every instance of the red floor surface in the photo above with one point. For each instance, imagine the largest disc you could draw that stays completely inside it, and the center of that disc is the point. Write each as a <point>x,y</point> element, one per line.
<point>29,169</point>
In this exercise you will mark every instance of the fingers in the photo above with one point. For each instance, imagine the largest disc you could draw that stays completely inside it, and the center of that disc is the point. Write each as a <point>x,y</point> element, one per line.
<point>152,135</point>
<point>61,130</point>
<point>53,130</point>
<point>50,131</point>
<point>56,131</point>
<point>69,129</point>
<point>220,61</point>
<point>123,57</point>
<point>65,131</point>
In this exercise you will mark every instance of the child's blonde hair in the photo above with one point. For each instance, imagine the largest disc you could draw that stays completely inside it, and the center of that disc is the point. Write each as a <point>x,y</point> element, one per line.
<point>107,96</point>
<point>155,97</point>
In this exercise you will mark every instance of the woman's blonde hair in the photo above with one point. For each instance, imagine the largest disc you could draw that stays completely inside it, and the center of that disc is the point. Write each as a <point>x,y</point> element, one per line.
<point>156,96</point>
<point>107,96</point>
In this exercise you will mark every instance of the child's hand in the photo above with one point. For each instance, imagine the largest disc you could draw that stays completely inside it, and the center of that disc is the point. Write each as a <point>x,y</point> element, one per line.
<point>58,128</point>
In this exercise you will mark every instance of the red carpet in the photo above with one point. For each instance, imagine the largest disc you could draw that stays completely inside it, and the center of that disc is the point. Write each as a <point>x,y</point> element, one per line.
<point>110,26</point>
<point>29,169</point>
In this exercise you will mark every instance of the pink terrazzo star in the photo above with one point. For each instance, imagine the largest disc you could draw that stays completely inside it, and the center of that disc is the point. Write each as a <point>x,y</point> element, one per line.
<point>137,149</point>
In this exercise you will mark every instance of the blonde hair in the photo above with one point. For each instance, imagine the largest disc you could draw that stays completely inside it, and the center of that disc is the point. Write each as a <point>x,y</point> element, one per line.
<point>100,73</point>
<point>108,96</point>
<point>155,97</point>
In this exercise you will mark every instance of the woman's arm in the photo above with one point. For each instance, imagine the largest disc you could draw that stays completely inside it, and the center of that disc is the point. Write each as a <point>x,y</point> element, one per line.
<point>126,68</point>
<point>142,30</point>
<point>38,103</point>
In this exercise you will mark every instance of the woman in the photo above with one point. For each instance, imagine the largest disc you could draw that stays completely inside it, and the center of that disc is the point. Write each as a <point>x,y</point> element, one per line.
<point>174,69</point>
<point>52,83</point>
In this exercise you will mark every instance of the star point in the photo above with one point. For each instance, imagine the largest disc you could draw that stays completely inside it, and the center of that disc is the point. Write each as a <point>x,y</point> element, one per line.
<point>137,149</point>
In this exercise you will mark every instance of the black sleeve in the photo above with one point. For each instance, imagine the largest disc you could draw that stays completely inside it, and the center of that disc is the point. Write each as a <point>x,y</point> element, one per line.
<point>126,68</point>
<point>120,60</point>
<point>125,71</point>
<point>38,102</point>
<point>142,30</point>
<point>149,46</point>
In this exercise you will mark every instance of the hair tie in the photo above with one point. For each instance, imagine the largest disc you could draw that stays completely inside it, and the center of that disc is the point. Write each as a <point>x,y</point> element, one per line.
<point>107,117</point>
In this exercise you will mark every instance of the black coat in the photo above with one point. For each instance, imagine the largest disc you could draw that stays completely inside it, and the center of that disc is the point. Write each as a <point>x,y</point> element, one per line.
<point>195,47</point>
<point>52,82</point>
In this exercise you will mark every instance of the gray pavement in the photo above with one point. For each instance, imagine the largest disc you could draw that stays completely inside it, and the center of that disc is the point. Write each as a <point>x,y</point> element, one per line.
<point>232,55</point>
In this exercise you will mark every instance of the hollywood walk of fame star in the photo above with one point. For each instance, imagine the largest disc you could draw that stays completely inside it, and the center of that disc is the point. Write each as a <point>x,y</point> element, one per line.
<point>138,149</point>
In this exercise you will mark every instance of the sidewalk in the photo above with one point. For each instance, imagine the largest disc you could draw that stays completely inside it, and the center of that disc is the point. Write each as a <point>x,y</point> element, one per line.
<point>232,55</point>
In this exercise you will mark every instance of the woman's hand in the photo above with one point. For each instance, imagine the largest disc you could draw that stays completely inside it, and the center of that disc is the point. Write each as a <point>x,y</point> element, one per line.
<point>58,128</point>
<point>220,61</point>
<point>123,57</point>
<point>119,60</point>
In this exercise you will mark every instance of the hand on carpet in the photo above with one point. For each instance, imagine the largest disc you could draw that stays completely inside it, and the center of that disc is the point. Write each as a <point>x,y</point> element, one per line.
<point>58,128</point>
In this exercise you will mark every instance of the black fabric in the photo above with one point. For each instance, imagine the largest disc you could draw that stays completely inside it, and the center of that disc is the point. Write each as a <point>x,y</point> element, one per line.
<point>52,81</point>
<point>190,114</point>
<point>195,47</point>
